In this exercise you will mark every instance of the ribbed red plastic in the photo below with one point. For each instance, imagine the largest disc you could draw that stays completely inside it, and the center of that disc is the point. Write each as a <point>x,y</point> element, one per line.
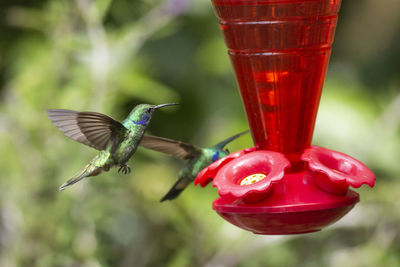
<point>280,50</point>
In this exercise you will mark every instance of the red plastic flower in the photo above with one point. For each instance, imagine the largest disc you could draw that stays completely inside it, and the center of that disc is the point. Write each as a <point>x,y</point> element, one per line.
<point>251,174</point>
<point>337,170</point>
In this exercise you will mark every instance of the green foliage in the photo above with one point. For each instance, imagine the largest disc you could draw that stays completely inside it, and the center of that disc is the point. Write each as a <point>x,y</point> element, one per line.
<point>109,55</point>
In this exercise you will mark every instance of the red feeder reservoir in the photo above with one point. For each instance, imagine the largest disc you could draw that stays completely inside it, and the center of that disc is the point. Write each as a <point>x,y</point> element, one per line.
<point>280,52</point>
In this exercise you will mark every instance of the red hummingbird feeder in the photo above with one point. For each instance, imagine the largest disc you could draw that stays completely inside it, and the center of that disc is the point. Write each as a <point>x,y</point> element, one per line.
<point>280,51</point>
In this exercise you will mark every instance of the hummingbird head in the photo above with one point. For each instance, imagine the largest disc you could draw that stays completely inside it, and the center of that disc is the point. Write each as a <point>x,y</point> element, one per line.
<point>141,114</point>
<point>219,153</point>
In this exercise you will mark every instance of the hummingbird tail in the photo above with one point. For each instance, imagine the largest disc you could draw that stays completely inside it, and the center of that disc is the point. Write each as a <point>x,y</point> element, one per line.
<point>88,170</point>
<point>176,190</point>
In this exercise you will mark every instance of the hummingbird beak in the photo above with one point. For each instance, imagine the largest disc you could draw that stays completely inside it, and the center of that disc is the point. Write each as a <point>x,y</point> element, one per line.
<point>164,105</point>
<point>222,144</point>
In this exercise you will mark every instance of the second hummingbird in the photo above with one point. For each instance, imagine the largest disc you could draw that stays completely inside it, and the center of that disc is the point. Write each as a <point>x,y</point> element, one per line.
<point>117,141</point>
<point>197,158</point>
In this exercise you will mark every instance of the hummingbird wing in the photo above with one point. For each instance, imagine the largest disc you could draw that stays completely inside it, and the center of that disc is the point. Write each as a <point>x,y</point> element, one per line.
<point>174,148</point>
<point>90,128</point>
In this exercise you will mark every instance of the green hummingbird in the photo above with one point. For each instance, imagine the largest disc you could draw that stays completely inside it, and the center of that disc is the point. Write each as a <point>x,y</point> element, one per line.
<point>197,158</point>
<point>116,141</point>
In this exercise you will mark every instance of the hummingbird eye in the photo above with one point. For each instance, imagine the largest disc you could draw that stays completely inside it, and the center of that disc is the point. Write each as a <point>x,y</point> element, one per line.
<point>227,151</point>
<point>148,110</point>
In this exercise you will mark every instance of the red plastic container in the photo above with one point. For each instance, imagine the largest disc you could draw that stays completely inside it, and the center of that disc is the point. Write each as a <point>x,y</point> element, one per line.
<point>280,52</point>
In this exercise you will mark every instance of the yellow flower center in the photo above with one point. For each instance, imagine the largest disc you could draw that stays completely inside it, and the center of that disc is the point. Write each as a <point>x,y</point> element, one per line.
<point>251,179</point>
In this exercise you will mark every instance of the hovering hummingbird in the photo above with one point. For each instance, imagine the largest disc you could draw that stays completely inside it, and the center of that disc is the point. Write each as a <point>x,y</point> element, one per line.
<point>197,158</point>
<point>116,141</point>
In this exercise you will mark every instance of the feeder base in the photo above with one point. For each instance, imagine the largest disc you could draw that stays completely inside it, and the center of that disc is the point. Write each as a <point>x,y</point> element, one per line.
<point>296,206</point>
<point>286,223</point>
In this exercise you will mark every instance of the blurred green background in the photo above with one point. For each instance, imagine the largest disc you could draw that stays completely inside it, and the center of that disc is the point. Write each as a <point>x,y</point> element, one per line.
<point>109,55</point>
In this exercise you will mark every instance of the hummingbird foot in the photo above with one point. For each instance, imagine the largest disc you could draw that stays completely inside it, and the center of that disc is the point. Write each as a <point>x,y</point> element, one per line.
<point>124,168</point>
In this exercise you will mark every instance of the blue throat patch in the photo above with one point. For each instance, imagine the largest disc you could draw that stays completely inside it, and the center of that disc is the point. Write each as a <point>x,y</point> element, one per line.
<point>215,157</point>
<point>143,122</point>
